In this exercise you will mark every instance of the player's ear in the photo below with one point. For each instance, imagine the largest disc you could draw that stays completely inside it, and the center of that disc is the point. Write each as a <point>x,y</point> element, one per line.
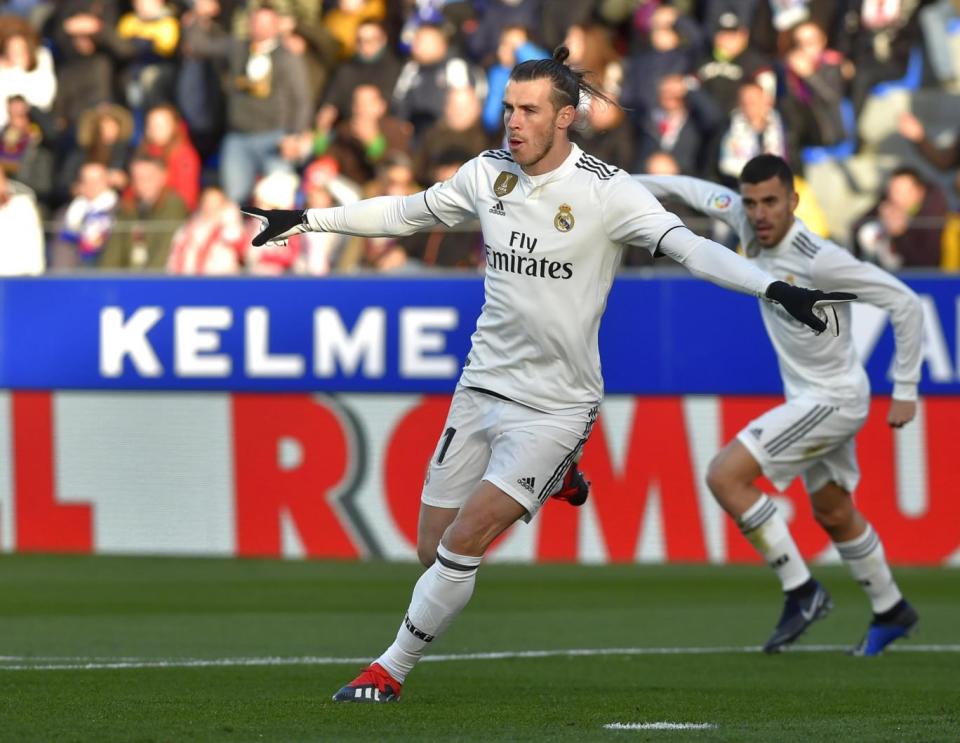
<point>794,200</point>
<point>566,116</point>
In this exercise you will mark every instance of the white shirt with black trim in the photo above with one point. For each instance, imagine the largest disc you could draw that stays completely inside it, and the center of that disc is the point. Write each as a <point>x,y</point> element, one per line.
<point>553,245</point>
<point>824,366</point>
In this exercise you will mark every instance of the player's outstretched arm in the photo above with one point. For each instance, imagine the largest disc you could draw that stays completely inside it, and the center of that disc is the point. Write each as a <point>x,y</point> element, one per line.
<point>278,224</point>
<point>801,302</point>
<point>393,216</point>
<point>711,261</point>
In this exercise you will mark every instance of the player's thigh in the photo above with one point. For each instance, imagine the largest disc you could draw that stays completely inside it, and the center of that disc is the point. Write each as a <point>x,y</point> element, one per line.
<point>533,451</point>
<point>838,467</point>
<point>462,451</point>
<point>487,513</point>
<point>791,438</point>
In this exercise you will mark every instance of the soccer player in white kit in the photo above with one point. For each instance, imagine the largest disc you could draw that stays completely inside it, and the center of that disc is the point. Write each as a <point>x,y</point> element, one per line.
<point>554,221</point>
<point>827,391</point>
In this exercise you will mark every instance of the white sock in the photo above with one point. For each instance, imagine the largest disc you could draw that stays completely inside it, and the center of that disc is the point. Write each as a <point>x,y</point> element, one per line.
<point>868,566</point>
<point>763,525</point>
<point>439,596</point>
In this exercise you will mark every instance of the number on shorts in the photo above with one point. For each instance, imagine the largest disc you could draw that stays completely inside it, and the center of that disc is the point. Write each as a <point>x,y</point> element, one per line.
<point>447,438</point>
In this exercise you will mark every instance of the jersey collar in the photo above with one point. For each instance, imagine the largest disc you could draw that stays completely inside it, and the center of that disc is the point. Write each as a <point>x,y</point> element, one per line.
<point>535,181</point>
<point>787,240</point>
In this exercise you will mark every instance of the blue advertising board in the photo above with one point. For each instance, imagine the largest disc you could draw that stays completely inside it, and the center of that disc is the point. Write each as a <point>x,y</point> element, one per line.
<point>660,335</point>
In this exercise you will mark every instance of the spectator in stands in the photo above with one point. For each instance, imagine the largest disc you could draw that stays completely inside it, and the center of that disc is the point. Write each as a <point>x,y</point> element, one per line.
<point>460,129</point>
<point>373,64</point>
<point>146,220</point>
<point>515,47</point>
<point>87,221</point>
<point>815,82</point>
<point>886,32</point>
<point>306,37</point>
<point>147,39</point>
<point>936,21</point>
<point>732,62</point>
<point>200,96</point>
<point>323,187</point>
<point>497,15</point>
<point>23,152</point>
<point>360,142</point>
<point>343,20</point>
<point>19,216</point>
<point>755,128</point>
<point>278,190</point>
<point>556,21</point>
<point>606,133</point>
<point>681,124</point>
<point>942,158</point>
<point>421,89</point>
<point>671,52</point>
<point>212,240</point>
<point>904,229</point>
<point>26,68</point>
<point>268,101</point>
<point>165,136</point>
<point>103,136</point>
<point>84,65</point>
<point>591,49</point>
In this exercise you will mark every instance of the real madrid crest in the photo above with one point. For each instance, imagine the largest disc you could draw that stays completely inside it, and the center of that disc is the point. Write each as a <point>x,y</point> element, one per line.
<point>564,220</point>
<point>504,184</point>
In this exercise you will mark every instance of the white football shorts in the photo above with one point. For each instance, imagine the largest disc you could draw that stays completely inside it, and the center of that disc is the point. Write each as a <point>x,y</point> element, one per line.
<point>524,452</point>
<point>810,438</point>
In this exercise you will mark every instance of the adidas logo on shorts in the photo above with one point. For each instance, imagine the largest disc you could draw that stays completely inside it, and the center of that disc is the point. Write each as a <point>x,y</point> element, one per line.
<point>526,483</point>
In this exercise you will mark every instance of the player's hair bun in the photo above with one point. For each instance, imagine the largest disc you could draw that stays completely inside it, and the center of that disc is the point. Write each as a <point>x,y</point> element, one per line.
<point>561,53</point>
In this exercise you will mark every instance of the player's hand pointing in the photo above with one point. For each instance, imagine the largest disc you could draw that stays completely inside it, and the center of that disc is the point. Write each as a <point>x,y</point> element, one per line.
<point>802,304</point>
<point>278,224</point>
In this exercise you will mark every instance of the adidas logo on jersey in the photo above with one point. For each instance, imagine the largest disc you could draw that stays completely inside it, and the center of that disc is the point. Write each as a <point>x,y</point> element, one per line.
<point>498,209</point>
<point>757,432</point>
<point>526,483</point>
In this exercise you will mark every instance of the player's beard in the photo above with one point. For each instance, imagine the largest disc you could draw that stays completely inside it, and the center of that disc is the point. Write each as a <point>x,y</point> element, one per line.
<point>541,153</point>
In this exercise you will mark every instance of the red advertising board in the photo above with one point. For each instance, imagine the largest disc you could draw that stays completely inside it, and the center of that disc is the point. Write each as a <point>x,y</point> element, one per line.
<point>339,477</point>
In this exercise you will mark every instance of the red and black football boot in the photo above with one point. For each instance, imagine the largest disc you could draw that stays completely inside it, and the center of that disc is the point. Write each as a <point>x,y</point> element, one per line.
<point>373,685</point>
<point>574,489</point>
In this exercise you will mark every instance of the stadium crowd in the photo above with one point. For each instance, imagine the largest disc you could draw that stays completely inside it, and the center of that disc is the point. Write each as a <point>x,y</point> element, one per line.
<point>132,132</point>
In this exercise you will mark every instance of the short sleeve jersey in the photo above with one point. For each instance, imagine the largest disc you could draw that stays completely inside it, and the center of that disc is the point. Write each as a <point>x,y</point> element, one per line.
<point>553,243</point>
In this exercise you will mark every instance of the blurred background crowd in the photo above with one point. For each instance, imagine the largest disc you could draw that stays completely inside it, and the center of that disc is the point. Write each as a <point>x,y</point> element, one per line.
<point>132,132</point>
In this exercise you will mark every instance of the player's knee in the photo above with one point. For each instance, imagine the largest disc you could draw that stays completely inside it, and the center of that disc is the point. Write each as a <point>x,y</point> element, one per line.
<point>834,515</point>
<point>467,538</point>
<point>720,478</point>
<point>427,554</point>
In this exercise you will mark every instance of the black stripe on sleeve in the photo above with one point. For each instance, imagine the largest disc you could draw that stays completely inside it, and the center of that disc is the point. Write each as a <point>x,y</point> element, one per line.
<point>427,203</point>
<point>655,250</point>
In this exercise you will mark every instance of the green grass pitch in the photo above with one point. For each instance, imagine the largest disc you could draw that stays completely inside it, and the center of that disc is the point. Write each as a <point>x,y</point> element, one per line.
<point>183,633</point>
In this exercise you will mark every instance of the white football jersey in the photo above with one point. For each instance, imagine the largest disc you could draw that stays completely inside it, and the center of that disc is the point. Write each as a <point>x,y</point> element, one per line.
<point>553,245</point>
<point>819,365</point>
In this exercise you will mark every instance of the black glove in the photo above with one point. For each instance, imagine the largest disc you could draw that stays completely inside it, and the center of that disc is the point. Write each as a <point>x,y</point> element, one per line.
<point>278,224</point>
<point>800,302</point>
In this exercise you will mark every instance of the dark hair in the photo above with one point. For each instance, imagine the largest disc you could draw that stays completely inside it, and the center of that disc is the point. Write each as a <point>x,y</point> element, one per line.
<point>910,172</point>
<point>764,167</point>
<point>567,82</point>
